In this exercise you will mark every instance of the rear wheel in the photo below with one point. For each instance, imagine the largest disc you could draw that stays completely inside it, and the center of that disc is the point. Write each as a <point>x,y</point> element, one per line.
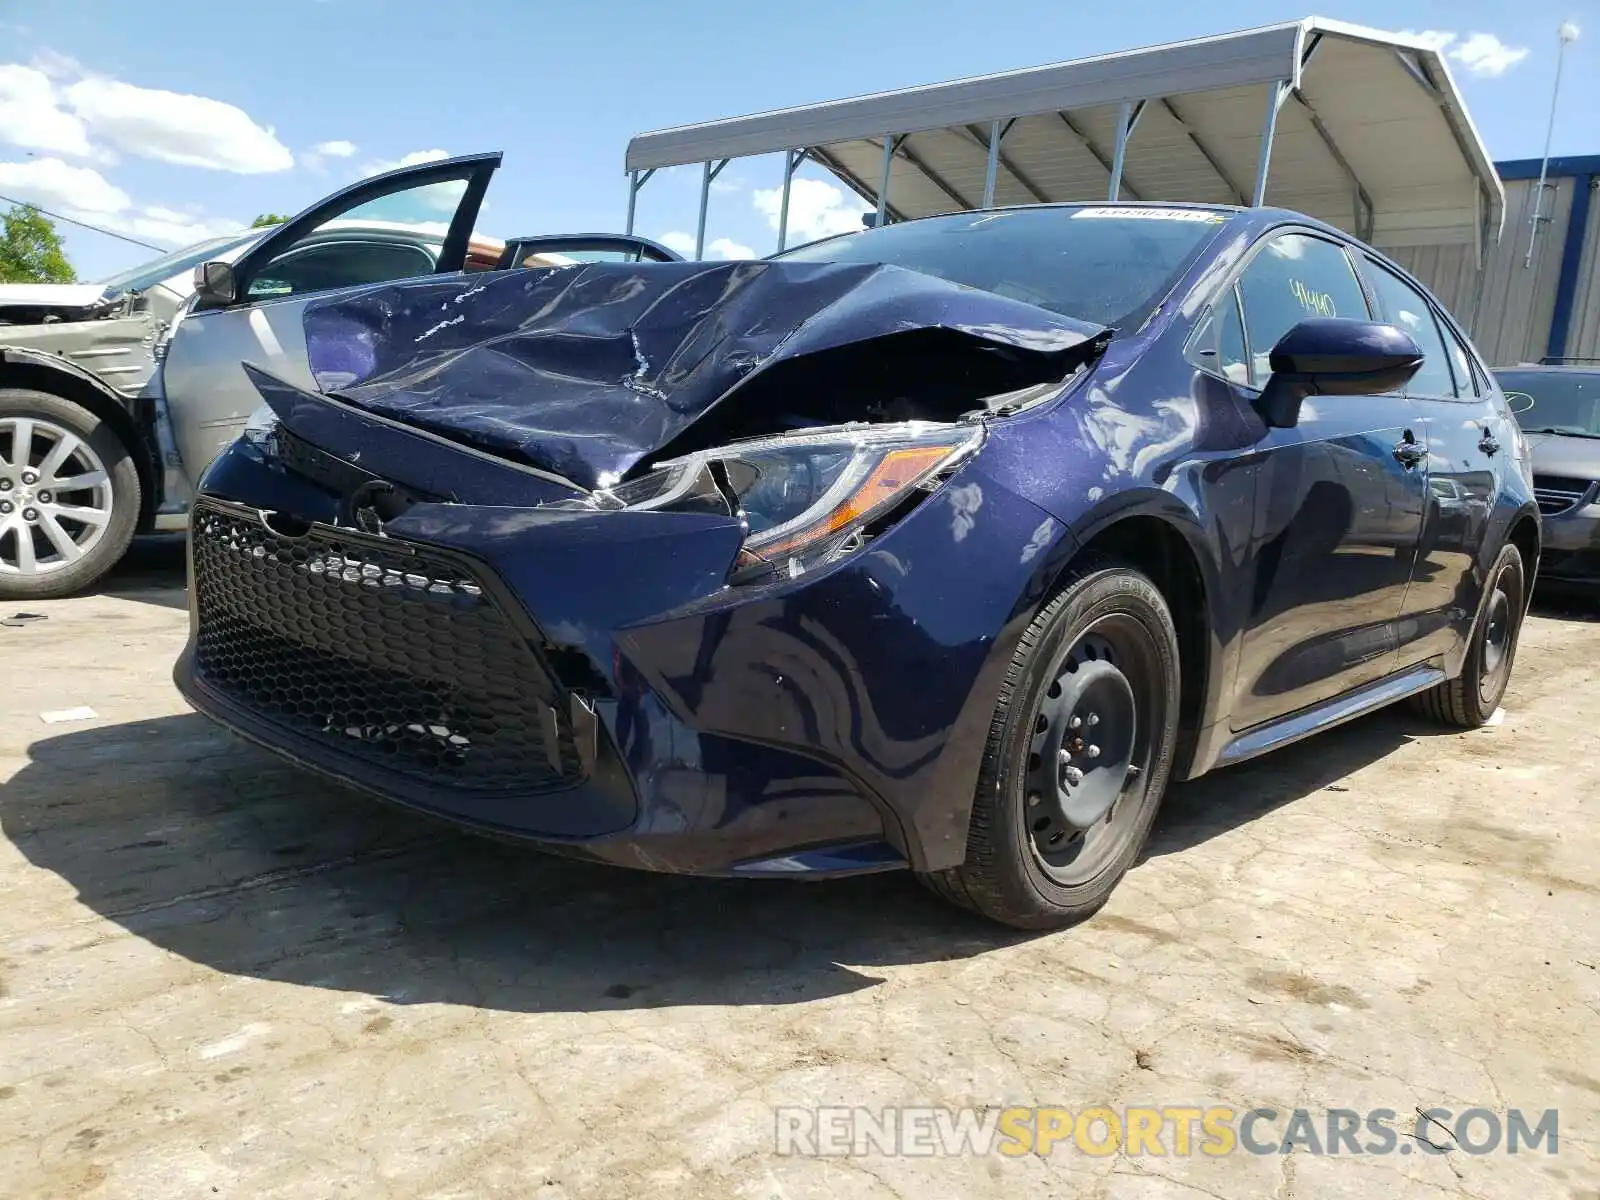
<point>1470,699</point>
<point>69,496</point>
<point>1079,752</point>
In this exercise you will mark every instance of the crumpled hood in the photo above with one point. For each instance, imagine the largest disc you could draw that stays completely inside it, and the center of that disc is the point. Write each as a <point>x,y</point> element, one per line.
<point>587,370</point>
<point>66,295</point>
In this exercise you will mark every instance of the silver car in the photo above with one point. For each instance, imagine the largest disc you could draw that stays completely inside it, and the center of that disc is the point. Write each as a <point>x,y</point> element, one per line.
<point>115,396</point>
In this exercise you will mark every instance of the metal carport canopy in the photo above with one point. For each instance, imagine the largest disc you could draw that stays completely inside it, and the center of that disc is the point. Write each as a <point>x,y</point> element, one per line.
<point>1361,128</point>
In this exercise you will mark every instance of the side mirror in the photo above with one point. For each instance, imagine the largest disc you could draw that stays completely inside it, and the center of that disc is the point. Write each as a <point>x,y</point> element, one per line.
<point>214,284</point>
<point>1331,356</point>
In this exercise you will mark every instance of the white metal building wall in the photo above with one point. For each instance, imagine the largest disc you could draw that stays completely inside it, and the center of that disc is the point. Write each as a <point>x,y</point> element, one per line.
<point>1583,340</point>
<point>1510,320</point>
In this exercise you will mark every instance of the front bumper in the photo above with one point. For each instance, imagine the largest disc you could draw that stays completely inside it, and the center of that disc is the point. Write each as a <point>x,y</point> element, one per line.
<point>588,682</point>
<point>1570,550</point>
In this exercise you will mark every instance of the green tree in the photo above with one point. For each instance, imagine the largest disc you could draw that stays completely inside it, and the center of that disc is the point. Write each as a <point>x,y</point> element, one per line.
<point>268,219</point>
<point>30,249</point>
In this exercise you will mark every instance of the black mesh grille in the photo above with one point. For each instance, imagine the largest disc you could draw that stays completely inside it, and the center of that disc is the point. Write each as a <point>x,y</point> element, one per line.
<point>401,659</point>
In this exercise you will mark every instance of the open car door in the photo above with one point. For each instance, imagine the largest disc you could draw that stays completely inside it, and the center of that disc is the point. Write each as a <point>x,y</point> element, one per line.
<point>399,225</point>
<point>559,249</point>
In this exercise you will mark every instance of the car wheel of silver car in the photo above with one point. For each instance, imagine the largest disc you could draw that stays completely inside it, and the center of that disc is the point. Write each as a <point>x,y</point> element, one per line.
<point>1470,699</point>
<point>69,496</point>
<point>1080,749</point>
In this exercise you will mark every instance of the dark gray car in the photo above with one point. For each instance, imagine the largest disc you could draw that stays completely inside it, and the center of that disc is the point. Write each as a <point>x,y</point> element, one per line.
<point>1559,410</point>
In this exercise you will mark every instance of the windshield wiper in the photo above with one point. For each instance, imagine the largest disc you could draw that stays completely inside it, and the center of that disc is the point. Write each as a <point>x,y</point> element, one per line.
<point>1561,432</point>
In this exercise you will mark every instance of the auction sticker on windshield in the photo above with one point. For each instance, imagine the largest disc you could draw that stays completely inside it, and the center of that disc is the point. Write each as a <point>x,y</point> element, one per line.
<point>1151,214</point>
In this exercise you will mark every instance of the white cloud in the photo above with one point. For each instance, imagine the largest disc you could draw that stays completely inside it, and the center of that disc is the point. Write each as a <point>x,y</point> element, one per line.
<point>58,66</point>
<point>52,183</point>
<point>1482,54</point>
<point>335,149</point>
<point>55,106</point>
<point>1433,39</point>
<point>816,210</point>
<point>721,247</point>
<point>83,194</point>
<point>677,240</point>
<point>175,127</point>
<point>415,159</point>
<point>1485,54</point>
<point>168,228</point>
<point>31,114</point>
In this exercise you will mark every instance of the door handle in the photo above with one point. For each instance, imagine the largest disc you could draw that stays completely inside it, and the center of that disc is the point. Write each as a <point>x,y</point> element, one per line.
<point>1408,454</point>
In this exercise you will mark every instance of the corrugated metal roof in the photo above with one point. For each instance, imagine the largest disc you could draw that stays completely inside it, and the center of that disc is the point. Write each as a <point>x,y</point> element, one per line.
<point>1373,119</point>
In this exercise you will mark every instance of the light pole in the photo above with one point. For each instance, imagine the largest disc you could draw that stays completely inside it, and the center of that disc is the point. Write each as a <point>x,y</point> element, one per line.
<point>1568,34</point>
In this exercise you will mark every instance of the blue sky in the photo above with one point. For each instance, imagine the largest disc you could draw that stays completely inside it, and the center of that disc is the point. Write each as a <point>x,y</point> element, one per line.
<point>255,89</point>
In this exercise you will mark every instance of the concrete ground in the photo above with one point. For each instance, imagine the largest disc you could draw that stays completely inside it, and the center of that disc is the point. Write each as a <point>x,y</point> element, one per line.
<point>220,977</point>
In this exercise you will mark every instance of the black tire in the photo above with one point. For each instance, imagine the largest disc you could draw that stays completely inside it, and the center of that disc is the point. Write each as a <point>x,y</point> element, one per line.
<point>1008,874</point>
<point>1470,699</point>
<point>124,502</point>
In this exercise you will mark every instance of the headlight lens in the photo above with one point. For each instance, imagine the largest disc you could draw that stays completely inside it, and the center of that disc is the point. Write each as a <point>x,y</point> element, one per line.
<point>807,497</point>
<point>259,427</point>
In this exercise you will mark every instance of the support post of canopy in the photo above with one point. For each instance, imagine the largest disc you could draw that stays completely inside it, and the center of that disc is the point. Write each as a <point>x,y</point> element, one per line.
<point>1127,117</point>
<point>636,180</point>
<point>995,134</point>
<point>1276,93</point>
<point>791,163</point>
<point>706,179</point>
<point>883,183</point>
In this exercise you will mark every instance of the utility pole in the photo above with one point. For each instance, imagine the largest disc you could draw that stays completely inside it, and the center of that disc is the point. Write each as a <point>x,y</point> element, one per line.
<point>1568,35</point>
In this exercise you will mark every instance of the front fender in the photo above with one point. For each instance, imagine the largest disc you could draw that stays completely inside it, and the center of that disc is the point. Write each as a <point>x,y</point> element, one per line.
<point>13,355</point>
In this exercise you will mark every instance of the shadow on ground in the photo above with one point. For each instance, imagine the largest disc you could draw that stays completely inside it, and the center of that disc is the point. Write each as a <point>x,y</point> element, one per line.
<point>1226,799</point>
<point>1565,603</point>
<point>152,571</point>
<point>220,854</point>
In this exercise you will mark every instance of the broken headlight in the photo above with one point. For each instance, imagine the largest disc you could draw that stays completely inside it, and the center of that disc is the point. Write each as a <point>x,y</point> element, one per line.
<point>259,427</point>
<point>808,498</point>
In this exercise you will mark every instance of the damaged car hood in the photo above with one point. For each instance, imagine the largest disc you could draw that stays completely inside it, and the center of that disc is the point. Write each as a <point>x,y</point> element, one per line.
<point>586,371</point>
<point>66,295</point>
<point>37,303</point>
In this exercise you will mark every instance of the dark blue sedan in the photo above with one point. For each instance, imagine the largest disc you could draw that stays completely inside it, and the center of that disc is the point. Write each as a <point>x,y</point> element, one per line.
<point>945,546</point>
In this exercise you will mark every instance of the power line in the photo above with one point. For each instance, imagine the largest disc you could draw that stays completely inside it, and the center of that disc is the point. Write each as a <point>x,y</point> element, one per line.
<point>121,237</point>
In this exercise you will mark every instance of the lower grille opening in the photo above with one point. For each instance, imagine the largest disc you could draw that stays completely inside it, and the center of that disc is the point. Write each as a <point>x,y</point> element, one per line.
<point>1557,493</point>
<point>382,653</point>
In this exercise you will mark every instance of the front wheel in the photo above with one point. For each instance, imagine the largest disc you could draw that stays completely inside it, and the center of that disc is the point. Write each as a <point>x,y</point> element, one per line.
<point>1470,699</point>
<point>69,496</point>
<point>1079,752</point>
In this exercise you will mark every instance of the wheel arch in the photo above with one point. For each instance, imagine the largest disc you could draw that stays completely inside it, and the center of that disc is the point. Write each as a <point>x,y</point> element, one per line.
<point>1158,535</point>
<point>1527,536</point>
<point>44,372</point>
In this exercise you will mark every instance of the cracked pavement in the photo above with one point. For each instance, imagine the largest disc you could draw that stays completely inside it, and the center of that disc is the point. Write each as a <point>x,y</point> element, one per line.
<point>221,977</point>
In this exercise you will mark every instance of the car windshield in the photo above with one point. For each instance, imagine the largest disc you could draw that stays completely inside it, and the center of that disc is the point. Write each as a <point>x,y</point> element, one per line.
<point>1103,264</point>
<point>1561,401</point>
<point>148,274</point>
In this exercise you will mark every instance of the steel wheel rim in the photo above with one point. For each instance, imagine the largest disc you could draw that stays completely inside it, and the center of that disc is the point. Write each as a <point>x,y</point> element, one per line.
<point>55,497</point>
<point>1085,782</point>
<point>1499,622</point>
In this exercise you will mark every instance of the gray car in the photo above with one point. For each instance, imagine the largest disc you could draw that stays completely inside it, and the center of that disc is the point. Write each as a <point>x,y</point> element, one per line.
<point>90,439</point>
<point>1559,410</point>
<point>116,396</point>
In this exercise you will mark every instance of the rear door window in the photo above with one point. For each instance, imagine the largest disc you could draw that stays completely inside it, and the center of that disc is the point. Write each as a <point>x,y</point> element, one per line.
<point>1468,385</point>
<point>1403,306</point>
